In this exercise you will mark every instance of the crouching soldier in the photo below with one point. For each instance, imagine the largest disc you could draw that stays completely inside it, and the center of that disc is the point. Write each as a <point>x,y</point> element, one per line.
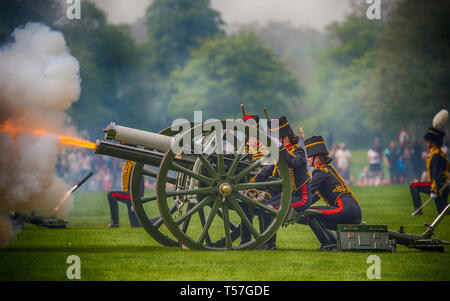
<point>438,173</point>
<point>327,184</point>
<point>295,158</point>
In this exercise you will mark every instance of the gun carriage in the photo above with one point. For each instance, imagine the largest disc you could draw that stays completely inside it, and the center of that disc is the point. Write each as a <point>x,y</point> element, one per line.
<point>200,193</point>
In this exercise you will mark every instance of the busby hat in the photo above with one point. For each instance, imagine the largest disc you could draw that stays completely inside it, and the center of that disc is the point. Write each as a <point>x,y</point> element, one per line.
<point>315,145</point>
<point>283,128</point>
<point>435,135</point>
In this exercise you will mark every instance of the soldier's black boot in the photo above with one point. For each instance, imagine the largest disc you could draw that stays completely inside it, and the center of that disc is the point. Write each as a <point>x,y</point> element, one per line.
<point>114,209</point>
<point>327,241</point>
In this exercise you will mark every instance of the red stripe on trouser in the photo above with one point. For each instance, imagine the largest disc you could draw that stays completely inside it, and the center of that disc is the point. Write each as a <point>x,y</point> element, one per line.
<point>301,202</point>
<point>421,184</point>
<point>332,211</point>
<point>120,195</point>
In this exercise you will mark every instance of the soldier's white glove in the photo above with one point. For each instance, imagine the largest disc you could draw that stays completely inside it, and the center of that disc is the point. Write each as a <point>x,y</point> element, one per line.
<point>433,196</point>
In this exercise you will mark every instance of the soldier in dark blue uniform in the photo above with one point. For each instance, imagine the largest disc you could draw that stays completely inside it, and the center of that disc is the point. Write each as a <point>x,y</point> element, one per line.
<point>328,185</point>
<point>438,173</point>
<point>124,196</point>
<point>295,158</point>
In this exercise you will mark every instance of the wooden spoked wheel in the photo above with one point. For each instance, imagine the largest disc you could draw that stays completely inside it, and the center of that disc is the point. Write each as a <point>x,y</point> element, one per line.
<point>213,204</point>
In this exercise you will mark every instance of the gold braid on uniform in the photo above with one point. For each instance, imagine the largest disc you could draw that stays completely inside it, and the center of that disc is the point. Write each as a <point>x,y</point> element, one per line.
<point>436,151</point>
<point>322,197</point>
<point>343,188</point>
<point>126,172</point>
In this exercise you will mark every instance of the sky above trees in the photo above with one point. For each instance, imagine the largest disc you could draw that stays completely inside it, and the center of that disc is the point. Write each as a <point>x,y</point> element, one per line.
<point>312,13</point>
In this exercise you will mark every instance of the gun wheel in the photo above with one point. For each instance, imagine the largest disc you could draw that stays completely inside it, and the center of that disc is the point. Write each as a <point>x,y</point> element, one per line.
<point>215,199</point>
<point>147,210</point>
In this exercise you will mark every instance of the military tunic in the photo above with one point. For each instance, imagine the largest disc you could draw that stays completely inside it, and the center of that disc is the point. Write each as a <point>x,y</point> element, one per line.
<point>438,175</point>
<point>343,207</point>
<point>296,161</point>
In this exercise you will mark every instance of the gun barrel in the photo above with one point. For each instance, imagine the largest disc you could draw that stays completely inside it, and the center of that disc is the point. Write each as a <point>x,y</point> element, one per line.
<point>128,135</point>
<point>128,153</point>
<point>136,154</point>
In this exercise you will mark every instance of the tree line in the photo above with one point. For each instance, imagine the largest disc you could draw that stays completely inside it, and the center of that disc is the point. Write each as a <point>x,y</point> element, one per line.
<point>359,79</point>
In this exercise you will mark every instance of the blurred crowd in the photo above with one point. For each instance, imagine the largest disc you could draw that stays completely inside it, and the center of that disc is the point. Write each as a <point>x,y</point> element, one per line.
<point>403,159</point>
<point>76,163</point>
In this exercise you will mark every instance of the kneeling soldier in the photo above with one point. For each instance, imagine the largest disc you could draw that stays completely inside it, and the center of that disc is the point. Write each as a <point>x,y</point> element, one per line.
<point>295,158</point>
<point>328,185</point>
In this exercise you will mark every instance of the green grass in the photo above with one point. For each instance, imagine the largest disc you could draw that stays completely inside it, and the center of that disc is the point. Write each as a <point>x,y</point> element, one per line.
<point>130,254</point>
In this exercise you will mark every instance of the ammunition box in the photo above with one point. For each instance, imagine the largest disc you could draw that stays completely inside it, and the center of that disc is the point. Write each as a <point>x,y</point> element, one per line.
<point>374,238</point>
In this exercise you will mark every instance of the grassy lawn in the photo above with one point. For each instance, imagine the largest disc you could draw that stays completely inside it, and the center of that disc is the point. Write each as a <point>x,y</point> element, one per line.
<point>130,253</point>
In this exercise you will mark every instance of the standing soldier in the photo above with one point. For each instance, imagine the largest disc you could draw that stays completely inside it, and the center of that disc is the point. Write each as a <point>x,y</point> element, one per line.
<point>296,161</point>
<point>438,168</point>
<point>328,185</point>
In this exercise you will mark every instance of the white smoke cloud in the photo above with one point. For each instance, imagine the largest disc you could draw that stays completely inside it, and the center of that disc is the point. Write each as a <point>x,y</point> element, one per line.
<point>39,80</point>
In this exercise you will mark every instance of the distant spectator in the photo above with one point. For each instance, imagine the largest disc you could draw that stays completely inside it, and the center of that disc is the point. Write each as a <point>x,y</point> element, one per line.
<point>407,173</point>
<point>424,175</point>
<point>404,138</point>
<point>333,150</point>
<point>374,155</point>
<point>416,160</point>
<point>343,159</point>
<point>365,177</point>
<point>107,181</point>
<point>391,157</point>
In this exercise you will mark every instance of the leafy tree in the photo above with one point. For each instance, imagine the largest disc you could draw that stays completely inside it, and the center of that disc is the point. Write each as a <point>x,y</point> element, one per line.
<point>175,27</point>
<point>109,60</point>
<point>295,45</point>
<point>413,66</point>
<point>227,71</point>
<point>14,13</point>
<point>336,101</point>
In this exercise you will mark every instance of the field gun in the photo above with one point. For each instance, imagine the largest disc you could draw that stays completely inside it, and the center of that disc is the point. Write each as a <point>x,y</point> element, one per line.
<point>199,197</point>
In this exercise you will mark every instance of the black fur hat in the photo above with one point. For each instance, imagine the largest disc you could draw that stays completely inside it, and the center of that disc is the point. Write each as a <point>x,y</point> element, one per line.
<point>283,129</point>
<point>435,135</point>
<point>315,145</point>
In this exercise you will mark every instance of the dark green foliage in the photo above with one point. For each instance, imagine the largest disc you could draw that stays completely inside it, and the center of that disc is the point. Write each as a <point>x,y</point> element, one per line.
<point>108,59</point>
<point>175,27</point>
<point>413,66</point>
<point>227,71</point>
<point>340,81</point>
<point>14,13</point>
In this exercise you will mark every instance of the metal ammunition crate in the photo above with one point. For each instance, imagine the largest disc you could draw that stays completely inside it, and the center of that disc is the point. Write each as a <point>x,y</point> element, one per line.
<point>364,238</point>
